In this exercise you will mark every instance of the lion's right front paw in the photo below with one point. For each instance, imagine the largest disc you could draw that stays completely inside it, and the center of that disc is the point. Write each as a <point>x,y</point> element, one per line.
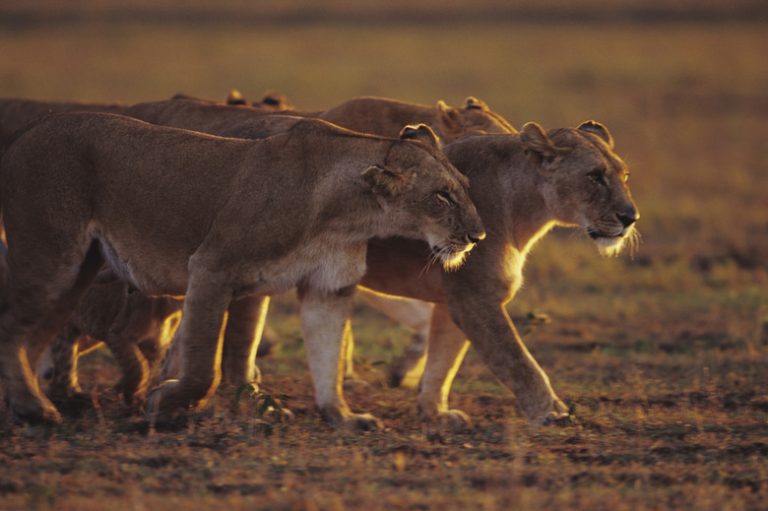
<point>348,420</point>
<point>454,420</point>
<point>166,402</point>
<point>354,382</point>
<point>557,413</point>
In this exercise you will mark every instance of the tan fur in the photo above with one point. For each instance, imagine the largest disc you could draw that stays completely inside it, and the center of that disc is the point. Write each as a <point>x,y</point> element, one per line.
<point>522,185</point>
<point>379,116</point>
<point>180,213</point>
<point>17,115</point>
<point>384,117</point>
<point>136,328</point>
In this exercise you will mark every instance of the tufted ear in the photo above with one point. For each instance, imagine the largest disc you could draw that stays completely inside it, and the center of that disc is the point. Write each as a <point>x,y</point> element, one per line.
<point>422,133</point>
<point>235,97</point>
<point>385,182</point>
<point>473,102</point>
<point>535,139</point>
<point>598,129</point>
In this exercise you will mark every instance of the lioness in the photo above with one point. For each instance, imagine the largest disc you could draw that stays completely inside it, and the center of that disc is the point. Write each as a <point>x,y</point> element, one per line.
<point>181,213</point>
<point>202,115</point>
<point>523,185</point>
<point>375,115</point>
<point>382,116</point>
<point>17,115</point>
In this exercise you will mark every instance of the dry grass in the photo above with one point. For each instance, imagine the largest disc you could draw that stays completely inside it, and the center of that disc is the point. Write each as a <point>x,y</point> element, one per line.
<point>664,355</point>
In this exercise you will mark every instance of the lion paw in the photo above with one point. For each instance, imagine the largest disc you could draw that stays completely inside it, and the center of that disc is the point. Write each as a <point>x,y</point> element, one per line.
<point>166,401</point>
<point>355,383</point>
<point>34,412</point>
<point>280,414</point>
<point>454,420</point>
<point>559,415</point>
<point>362,422</point>
<point>352,421</point>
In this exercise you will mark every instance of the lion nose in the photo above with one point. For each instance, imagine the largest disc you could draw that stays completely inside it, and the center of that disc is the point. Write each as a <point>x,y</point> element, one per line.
<point>475,237</point>
<point>628,217</point>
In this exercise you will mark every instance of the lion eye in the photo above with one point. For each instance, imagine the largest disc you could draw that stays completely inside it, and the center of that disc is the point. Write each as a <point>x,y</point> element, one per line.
<point>445,197</point>
<point>598,176</point>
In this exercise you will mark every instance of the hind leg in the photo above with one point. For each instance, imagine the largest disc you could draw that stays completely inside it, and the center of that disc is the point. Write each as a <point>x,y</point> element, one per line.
<point>38,309</point>
<point>63,380</point>
<point>133,364</point>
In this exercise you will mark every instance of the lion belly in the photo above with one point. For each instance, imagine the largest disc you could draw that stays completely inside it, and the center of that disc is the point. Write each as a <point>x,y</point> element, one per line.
<point>161,277</point>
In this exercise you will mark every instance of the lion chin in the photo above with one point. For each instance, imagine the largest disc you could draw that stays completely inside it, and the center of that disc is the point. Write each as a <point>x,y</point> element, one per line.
<point>612,246</point>
<point>452,258</point>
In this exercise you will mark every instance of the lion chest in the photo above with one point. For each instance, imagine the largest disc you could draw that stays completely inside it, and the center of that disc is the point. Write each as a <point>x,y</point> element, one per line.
<point>318,266</point>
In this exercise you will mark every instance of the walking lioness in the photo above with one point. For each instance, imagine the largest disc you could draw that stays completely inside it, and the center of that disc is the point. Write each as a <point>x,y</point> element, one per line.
<point>180,213</point>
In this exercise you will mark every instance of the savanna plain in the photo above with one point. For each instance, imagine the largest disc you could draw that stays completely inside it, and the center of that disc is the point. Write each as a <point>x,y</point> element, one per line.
<point>662,353</point>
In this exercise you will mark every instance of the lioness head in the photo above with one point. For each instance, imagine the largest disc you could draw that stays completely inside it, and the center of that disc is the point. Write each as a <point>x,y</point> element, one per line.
<point>417,182</point>
<point>473,117</point>
<point>586,182</point>
<point>272,100</point>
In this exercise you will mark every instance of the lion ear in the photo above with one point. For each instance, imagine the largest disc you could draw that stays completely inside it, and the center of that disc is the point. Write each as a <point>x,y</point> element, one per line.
<point>385,182</point>
<point>448,116</point>
<point>422,133</point>
<point>276,100</point>
<point>235,97</point>
<point>474,103</point>
<point>535,139</point>
<point>598,129</point>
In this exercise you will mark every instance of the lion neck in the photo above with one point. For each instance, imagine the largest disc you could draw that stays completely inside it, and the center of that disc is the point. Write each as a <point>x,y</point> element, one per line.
<point>506,185</point>
<point>352,213</point>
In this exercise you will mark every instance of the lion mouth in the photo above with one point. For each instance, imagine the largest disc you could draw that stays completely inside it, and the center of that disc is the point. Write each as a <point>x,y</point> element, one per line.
<point>610,244</point>
<point>451,255</point>
<point>597,234</point>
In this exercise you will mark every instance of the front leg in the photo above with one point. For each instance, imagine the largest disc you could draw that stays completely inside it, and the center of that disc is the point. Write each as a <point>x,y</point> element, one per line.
<point>199,338</point>
<point>324,317</point>
<point>501,348</point>
<point>245,325</point>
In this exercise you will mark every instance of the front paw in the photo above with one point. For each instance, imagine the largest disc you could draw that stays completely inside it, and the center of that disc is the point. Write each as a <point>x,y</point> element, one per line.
<point>166,401</point>
<point>454,420</point>
<point>344,419</point>
<point>34,411</point>
<point>554,413</point>
<point>354,382</point>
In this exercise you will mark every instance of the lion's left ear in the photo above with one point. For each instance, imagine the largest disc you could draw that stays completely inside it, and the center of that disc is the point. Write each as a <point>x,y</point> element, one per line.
<point>598,129</point>
<point>448,116</point>
<point>276,100</point>
<point>235,98</point>
<point>474,103</point>
<point>422,133</point>
<point>384,182</point>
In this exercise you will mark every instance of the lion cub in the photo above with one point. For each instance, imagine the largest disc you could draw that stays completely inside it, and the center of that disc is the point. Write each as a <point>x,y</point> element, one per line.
<point>180,213</point>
